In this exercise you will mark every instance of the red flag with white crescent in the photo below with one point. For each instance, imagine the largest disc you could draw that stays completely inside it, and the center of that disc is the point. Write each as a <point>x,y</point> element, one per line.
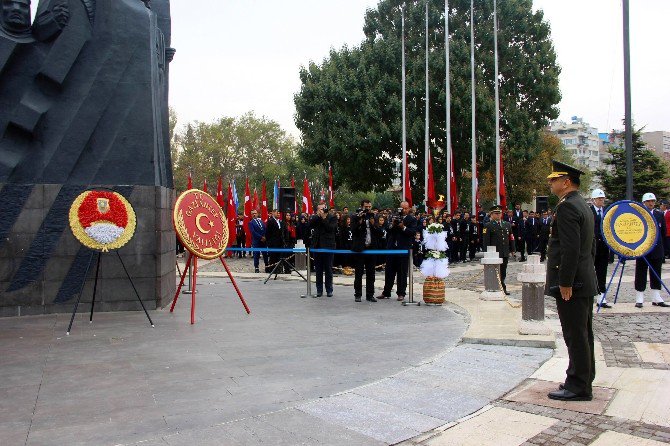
<point>331,194</point>
<point>452,180</point>
<point>247,213</point>
<point>264,203</point>
<point>408,184</point>
<point>219,194</point>
<point>190,182</point>
<point>306,198</point>
<point>231,215</point>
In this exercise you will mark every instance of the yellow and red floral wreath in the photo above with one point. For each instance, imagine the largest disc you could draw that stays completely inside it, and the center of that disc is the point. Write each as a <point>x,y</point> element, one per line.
<point>102,220</point>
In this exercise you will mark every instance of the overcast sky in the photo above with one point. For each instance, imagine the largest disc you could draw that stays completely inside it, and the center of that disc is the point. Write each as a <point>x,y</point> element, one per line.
<point>235,56</point>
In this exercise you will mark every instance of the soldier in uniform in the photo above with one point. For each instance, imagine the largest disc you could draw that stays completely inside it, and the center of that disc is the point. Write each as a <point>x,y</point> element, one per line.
<point>498,233</point>
<point>571,279</point>
<point>655,259</point>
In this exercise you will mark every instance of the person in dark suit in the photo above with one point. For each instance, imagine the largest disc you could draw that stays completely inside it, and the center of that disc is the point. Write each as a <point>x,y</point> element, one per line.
<point>401,236</point>
<point>519,231</point>
<point>323,226</point>
<point>451,239</point>
<point>275,235</point>
<point>456,242</point>
<point>571,279</point>
<point>365,236</point>
<point>498,233</point>
<point>532,233</point>
<point>665,208</point>
<point>601,259</point>
<point>545,228</point>
<point>655,258</point>
<point>257,228</point>
<point>464,236</point>
<point>474,237</point>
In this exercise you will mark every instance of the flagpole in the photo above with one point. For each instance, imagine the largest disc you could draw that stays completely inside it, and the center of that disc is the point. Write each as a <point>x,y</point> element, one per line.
<point>497,99</point>
<point>472,80</point>
<point>404,117</point>
<point>448,94</point>
<point>427,132</point>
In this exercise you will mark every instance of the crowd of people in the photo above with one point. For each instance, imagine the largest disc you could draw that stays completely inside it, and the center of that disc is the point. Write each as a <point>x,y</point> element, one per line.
<point>515,233</point>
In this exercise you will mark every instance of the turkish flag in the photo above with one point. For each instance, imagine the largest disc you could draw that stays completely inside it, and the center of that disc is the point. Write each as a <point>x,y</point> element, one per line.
<point>247,213</point>
<point>430,193</point>
<point>204,186</point>
<point>503,186</point>
<point>408,184</point>
<point>190,182</point>
<point>331,193</point>
<point>255,203</point>
<point>231,214</point>
<point>264,203</point>
<point>219,194</point>
<point>452,184</point>
<point>306,198</point>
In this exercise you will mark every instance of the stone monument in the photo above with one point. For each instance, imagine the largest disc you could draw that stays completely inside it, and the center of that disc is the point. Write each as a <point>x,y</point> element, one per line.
<point>83,103</point>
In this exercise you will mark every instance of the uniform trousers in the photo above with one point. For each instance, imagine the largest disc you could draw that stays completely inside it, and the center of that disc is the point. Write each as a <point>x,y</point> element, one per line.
<point>576,316</point>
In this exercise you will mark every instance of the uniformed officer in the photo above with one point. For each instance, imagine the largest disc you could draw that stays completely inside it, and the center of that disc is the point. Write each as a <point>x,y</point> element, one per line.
<point>655,259</point>
<point>602,250</point>
<point>571,279</point>
<point>498,233</point>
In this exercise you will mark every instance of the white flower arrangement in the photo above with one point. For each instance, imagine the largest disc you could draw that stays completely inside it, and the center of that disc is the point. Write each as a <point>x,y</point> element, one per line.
<point>435,263</point>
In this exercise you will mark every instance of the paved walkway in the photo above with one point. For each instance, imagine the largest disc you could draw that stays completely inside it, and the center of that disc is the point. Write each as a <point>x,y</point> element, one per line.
<point>327,371</point>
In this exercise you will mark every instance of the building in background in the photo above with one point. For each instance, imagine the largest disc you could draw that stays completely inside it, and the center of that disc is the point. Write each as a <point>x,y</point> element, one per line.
<point>659,142</point>
<point>585,144</point>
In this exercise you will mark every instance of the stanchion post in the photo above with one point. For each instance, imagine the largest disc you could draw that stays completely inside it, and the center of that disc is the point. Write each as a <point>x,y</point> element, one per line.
<point>309,274</point>
<point>410,280</point>
<point>188,290</point>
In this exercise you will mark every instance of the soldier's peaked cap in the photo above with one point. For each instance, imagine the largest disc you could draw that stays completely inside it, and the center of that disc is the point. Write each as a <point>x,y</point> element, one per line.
<point>495,208</point>
<point>560,169</point>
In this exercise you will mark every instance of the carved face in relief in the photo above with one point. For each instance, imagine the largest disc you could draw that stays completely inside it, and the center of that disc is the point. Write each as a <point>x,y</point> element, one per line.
<point>16,15</point>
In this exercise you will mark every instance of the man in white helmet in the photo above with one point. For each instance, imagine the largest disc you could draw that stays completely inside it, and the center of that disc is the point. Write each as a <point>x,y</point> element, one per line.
<point>655,258</point>
<point>602,250</point>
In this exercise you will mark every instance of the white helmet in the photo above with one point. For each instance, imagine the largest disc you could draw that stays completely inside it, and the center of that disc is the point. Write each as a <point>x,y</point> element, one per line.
<point>648,196</point>
<point>597,193</point>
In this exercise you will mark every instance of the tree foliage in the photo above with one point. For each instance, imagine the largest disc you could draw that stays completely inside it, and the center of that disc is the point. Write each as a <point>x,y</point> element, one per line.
<point>349,106</point>
<point>236,148</point>
<point>650,172</point>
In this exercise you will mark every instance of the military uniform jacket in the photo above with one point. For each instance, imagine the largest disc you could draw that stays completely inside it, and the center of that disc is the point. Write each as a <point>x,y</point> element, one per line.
<point>500,236</point>
<point>572,249</point>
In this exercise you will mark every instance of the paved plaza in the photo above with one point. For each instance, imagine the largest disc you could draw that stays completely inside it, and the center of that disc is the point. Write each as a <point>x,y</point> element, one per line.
<point>328,371</point>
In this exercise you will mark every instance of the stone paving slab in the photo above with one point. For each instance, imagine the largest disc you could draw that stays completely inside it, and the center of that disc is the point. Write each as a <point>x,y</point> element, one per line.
<point>535,392</point>
<point>118,381</point>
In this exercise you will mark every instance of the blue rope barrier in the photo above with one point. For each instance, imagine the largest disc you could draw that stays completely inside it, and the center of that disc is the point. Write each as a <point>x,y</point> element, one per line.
<point>390,252</point>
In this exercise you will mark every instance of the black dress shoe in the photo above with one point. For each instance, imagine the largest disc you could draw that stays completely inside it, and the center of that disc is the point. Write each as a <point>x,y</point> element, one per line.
<point>660,304</point>
<point>638,305</point>
<point>319,294</point>
<point>507,293</point>
<point>357,298</point>
<point>257,270</point>
<point>604,305</point>
<point>329,294</point>
<point>382,297</point>
<point>371,299</point>
<point>566,395</point>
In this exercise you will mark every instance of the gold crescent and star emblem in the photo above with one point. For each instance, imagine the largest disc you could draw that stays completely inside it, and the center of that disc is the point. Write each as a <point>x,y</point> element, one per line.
<point>199,225</point>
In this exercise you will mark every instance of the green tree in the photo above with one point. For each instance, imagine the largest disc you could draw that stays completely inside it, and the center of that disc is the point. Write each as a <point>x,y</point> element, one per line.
<point>650,172</point>
<point>349,106</point>
<point>236,148</point>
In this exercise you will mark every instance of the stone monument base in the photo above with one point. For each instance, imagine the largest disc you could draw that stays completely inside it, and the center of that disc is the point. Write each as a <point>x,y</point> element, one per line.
<point>42,265</point>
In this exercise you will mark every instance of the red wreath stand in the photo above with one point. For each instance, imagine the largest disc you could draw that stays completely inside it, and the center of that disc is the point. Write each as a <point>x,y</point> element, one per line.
<point>201,227</point>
